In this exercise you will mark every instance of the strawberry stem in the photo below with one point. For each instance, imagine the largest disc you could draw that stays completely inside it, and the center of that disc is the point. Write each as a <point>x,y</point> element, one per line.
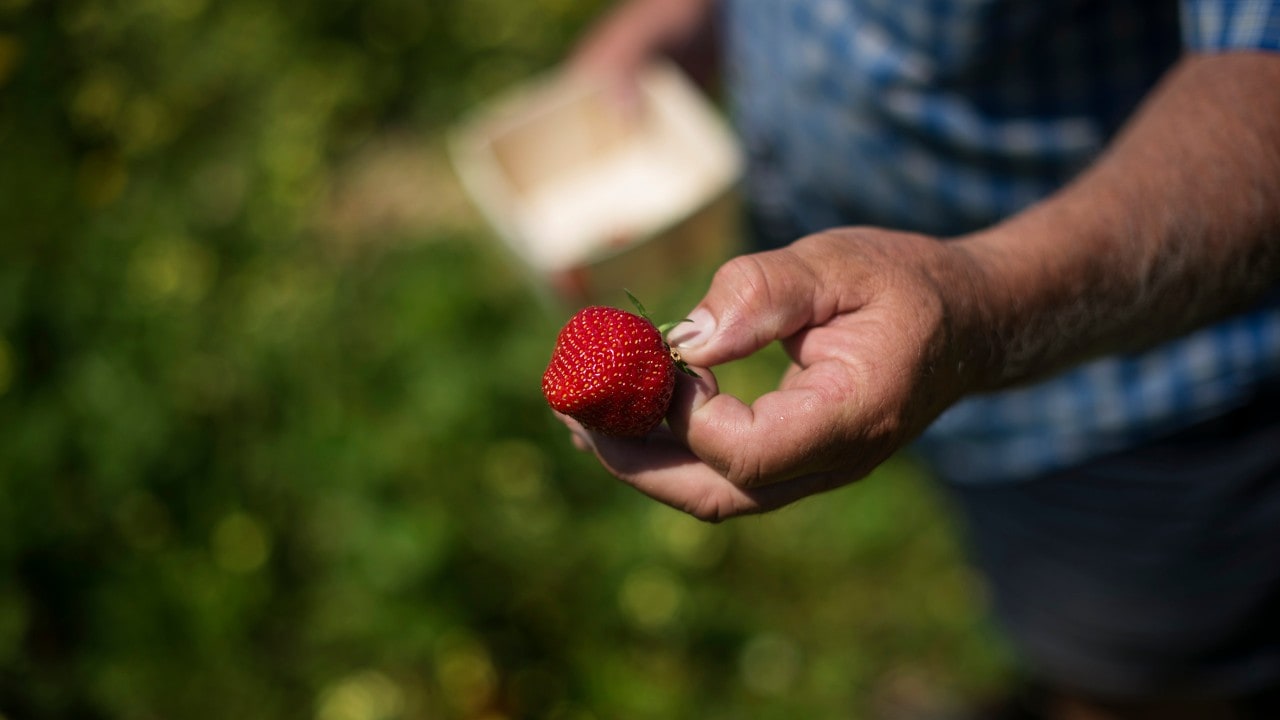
<point>681,365</point>
<point>663,329</point>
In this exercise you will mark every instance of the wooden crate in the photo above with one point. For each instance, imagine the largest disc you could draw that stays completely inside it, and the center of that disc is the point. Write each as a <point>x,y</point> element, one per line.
<point>592,198</point>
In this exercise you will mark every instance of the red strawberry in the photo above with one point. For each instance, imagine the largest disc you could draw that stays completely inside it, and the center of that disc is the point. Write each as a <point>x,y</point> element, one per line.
<point>612,371</point>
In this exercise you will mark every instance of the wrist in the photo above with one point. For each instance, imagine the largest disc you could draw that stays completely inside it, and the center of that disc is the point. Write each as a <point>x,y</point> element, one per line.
<point>968,280</point>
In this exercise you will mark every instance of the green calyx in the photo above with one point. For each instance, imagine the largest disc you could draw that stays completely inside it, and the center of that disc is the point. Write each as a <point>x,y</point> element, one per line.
<point>663,329</point>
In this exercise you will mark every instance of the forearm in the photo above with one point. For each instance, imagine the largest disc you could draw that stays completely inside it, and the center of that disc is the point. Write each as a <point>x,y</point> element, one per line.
<point>1177,224</point>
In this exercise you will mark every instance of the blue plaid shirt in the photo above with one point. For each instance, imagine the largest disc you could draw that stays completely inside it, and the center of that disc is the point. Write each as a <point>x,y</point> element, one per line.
<point>944,116</point>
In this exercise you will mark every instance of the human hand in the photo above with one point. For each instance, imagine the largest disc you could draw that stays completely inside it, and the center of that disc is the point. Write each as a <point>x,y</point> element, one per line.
<point>881,329</point>
<point>618,47</point>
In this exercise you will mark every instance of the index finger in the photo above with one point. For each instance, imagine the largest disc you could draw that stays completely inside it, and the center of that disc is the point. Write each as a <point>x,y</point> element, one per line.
<point>660,466</point>
<point>808,426</point>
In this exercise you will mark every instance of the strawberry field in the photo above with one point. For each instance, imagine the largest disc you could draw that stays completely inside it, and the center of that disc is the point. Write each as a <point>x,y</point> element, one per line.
<point>271,437</point>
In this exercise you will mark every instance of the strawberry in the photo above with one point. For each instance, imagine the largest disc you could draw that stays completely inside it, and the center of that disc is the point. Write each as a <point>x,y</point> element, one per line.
<point>612,371</point>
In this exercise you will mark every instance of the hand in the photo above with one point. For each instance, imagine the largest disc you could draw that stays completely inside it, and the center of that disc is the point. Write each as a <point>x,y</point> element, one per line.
<point>880,329</point>
<point>627,38</point>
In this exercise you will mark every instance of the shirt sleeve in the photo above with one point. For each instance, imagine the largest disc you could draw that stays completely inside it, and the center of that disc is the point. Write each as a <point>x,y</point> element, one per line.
<point>1209,26</point>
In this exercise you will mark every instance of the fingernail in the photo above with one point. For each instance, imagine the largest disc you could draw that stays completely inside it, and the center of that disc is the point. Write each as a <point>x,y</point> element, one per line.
<point>696,332</point>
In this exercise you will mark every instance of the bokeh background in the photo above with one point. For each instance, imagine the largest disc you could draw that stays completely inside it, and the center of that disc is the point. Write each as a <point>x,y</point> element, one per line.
<point>271,440</point>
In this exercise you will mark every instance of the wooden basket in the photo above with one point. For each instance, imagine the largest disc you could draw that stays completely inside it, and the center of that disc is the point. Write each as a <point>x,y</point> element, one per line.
<point>592,199</point>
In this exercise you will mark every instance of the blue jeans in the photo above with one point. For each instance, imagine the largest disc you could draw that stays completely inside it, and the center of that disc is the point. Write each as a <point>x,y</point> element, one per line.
<point>1151,572</point>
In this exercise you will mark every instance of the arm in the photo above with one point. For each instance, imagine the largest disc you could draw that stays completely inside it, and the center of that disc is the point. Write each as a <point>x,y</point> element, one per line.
<point>1177,224</point>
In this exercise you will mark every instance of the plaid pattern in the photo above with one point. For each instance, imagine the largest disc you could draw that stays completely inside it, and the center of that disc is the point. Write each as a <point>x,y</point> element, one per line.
<point>944,116</point>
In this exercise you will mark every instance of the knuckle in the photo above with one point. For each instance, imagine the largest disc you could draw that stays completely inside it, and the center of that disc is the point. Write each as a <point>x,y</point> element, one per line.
<point>820,243</point>
<point>712,507</point>
<point>762,293</point>
<point>746,470</point>
<point>746,279</point>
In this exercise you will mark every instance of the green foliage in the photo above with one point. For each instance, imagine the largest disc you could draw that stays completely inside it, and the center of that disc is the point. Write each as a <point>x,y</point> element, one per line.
<point>247,471</point>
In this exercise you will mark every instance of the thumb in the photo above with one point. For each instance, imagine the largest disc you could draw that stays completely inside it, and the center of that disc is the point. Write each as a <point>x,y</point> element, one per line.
<point>753,300</point>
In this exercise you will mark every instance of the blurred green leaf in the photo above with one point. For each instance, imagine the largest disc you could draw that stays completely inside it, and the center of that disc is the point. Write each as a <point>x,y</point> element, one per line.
<point>250,469</point>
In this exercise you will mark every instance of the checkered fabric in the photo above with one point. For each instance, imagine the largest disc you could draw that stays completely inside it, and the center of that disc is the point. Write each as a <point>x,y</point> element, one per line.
<point>944,116</point>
